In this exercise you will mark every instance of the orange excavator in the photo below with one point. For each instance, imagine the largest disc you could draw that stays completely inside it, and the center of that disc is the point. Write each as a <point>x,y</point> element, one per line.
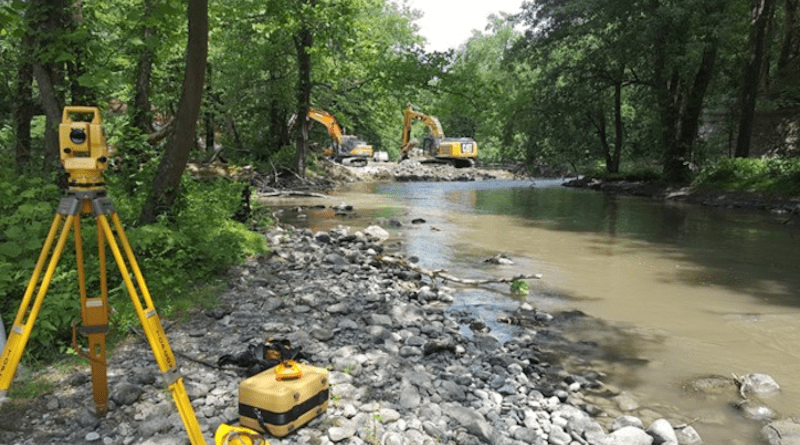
<point>346,149</point>
<point>436,148</point>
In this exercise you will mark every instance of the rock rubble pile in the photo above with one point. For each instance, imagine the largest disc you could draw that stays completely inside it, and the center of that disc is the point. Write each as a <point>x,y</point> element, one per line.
<point>408,170</point>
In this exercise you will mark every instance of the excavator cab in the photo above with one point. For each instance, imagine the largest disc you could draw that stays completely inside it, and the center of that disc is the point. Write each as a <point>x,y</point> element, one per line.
<point>352,151</point>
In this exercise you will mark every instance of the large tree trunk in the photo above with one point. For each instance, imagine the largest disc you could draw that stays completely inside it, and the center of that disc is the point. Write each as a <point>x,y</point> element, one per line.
<point>693,107</point>
<point>303,41</point>
<point>47,19</point>
<point>141,99</point>
<point>675,163</point>
<point>752,75</point>
<point>790,45</point>
<point>666,83</point>
<point>23,113</point>
<point>52,106</point>
<point>166,184</point>
<point>681,102</point>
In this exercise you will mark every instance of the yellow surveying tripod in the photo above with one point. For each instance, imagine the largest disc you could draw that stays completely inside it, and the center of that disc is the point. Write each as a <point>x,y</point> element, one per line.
<point>84,154</point>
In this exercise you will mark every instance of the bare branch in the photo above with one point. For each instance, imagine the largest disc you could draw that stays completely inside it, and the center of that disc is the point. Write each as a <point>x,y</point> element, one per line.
<point>444,275</point>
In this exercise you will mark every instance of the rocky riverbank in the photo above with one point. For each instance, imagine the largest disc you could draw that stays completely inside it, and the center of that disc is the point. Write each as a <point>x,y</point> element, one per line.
<point>401,370</point>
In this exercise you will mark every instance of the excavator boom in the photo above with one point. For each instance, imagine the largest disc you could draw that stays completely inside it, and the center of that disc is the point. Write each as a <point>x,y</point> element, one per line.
<point>327,119</point>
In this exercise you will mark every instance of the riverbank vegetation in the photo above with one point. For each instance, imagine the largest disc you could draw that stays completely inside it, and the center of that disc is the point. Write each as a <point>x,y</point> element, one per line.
<point>183,255</point>
<point>702,92</point>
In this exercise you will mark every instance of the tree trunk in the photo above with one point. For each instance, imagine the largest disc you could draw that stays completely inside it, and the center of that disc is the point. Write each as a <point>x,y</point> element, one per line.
<point>791,35</point>
<point>602,134</point>
<point>676,169</point>
<point>166,184</point>
<point>209,117</point>
<point>237,138</point>
<point>141,99</point>
<point>693,107</point>
<point>280,131</point>
<point>666,83</point>
<point>47,19</point>
<point>303,42</point>
<point>52,109</point>
<point>613,167</point>
<point>752,75</point>
<point>23,113</point>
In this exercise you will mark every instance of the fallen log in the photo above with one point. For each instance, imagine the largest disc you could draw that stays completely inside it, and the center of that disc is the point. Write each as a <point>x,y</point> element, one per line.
<point>446,276</point>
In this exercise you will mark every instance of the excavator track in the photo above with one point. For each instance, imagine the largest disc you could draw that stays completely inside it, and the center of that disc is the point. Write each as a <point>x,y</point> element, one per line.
<point>354,162</point>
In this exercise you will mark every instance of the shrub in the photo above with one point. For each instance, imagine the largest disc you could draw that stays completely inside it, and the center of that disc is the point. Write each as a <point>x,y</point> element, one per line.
<point>774,175</point>
<point>194,244</point>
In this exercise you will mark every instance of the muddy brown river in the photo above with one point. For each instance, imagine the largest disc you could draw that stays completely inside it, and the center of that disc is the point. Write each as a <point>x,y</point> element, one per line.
<point>685,290</point>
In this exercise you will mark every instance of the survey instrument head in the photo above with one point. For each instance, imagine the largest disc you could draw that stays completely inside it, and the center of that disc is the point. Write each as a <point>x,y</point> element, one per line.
<point>82,147</point>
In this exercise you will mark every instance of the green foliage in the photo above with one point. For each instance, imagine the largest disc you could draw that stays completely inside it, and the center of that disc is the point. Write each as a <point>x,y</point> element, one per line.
<point>520,288</point>
<point>633,173</point>
<point>28,207</point>
<point>197,240</point>
<point>133,158</point>
<point>196,243</point>
<point>282,158</point>
<point>466,101</point>
<point>774,175</point>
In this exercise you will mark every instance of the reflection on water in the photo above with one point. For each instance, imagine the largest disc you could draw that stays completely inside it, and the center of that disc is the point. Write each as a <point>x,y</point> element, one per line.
<point>696,290</point>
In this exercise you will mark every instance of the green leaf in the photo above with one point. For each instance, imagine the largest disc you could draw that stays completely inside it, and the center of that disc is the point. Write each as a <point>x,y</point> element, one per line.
<point>519,287</point>
<point>10,249</point>
<point>64,56</point>
<point>15,232</point>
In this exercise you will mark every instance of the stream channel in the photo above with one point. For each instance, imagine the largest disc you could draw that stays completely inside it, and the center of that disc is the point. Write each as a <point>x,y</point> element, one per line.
<point>682,290</point>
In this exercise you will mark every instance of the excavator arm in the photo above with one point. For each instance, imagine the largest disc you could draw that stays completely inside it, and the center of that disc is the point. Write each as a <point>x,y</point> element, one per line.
<point>327,119</point>
<point>409,116</point>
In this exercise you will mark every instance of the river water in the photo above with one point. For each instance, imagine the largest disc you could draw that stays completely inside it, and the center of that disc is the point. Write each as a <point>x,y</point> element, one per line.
<point>684,290</point>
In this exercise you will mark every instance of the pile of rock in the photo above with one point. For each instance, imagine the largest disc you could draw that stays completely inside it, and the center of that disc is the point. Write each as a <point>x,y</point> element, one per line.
<point>408,170</point>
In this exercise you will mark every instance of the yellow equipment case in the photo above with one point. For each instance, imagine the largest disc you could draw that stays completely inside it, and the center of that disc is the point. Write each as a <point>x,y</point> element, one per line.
<point>281,406</point>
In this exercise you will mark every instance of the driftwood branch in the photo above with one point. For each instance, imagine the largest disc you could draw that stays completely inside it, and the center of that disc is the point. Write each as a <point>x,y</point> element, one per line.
<point>291,193</point>
<point>155,138</point>
<point>444,275</point>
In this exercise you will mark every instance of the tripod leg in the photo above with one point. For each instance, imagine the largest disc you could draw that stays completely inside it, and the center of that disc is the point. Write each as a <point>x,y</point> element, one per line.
<point>94,318</point>
<point>149,319</point>
<point>21,329</point>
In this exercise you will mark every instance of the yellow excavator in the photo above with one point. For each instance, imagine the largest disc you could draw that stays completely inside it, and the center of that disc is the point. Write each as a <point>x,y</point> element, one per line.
<point>436,148</point>
<point>346,149</point>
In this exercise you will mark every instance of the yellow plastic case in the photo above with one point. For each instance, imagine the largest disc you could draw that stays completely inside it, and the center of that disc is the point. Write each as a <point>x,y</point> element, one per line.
<point>281,406</point>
